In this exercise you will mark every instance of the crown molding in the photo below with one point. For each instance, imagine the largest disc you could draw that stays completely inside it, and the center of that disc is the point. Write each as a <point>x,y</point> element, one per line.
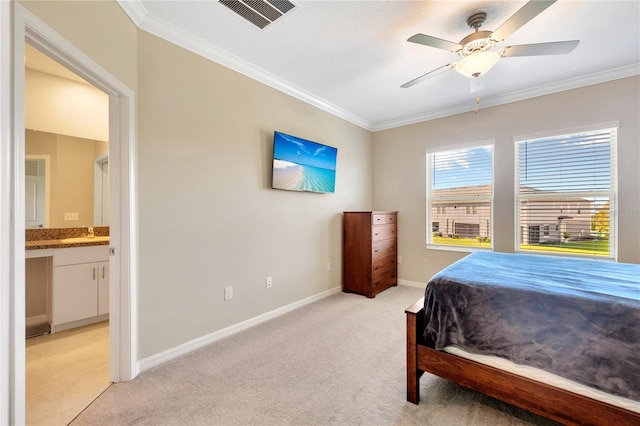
<point>175,35</point>
<point>134,9</point>
<point>521,95</point>
<point>169,32</point>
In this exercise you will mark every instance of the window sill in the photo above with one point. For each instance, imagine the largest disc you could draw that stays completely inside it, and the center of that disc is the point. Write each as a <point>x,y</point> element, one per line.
<point>461,249</point>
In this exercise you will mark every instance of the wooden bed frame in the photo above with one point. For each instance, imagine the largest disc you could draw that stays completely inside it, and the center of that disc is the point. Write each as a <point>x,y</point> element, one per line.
<point>540,398</point>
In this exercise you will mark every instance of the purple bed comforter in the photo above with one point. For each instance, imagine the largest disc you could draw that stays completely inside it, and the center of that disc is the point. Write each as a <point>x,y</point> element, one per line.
<point>579,319</point>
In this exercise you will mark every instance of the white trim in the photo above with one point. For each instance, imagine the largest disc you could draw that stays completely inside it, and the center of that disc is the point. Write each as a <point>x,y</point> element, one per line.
<point>408,283</point>
<point>97,188</point>
<point>534,92</point>
<point>7,360</point>
<point>47,185</point>
<point>464,145</point>
<point>32,254</point>
<point>461,249</point>
<point>195,344</point>
<point>12,245</point>
<point>78,323</point>
<point>135,9</point>
<point>567,131</point>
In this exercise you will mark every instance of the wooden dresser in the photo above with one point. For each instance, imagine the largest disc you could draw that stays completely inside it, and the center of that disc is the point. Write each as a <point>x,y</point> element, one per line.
<point>369,252</point>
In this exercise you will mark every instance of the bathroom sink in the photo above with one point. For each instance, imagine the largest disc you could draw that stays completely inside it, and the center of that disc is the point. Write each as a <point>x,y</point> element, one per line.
<point>83,240</point>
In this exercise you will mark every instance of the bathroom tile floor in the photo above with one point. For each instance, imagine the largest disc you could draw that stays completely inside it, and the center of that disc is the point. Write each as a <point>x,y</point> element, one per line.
<point>65,372</point>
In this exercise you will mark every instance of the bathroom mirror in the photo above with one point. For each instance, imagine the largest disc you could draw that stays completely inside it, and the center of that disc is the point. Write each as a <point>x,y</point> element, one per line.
<point>66,181</point>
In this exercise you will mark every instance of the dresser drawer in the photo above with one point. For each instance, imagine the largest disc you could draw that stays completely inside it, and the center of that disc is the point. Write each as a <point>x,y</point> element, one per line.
<point>382,281</point>
<point>383,248</point>
<point>383,219</point>
<point>383,232</point>
<point>383,264</point>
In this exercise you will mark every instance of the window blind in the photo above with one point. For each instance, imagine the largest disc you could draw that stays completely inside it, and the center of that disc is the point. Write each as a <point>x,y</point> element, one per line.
<point>459,197</point>
<point>566,193</point>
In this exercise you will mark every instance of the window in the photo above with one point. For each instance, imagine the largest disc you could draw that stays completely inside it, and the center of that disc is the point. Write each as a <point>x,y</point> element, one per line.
<point>459,197</point>
<point>567,184</point>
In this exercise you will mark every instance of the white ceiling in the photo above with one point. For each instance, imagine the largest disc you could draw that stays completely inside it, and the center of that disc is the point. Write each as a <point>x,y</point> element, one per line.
<point>350,57</point>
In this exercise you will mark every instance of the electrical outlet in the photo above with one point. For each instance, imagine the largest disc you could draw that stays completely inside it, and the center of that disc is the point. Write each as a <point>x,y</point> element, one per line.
<point>71,216</point>
<point>399,260</point>
<point>329,267</point>
<point>228,293</point>
<point>268,282</point>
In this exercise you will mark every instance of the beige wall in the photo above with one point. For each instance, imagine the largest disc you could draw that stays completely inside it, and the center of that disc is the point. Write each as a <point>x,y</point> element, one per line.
<point>208,218</point>
<point>399,164</point>
<point>98,28</point>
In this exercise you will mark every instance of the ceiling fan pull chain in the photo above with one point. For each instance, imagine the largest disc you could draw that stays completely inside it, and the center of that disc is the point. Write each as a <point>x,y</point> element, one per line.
<point>475,111</point>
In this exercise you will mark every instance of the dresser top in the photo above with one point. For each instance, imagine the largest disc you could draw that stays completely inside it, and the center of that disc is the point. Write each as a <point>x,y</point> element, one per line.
<point>374,212</point>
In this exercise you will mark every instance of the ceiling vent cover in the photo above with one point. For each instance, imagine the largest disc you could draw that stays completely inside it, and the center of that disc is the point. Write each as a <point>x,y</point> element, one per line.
<point>259,12</point>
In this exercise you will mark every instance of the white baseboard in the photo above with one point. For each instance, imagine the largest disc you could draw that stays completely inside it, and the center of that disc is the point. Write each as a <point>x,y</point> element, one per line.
<point>79,323</point>
<point>412,283</point>
<point>36,319</point>
<point>187,347</point>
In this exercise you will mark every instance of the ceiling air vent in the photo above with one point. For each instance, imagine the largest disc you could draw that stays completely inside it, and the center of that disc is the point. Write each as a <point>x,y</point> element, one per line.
<point>259,12</point>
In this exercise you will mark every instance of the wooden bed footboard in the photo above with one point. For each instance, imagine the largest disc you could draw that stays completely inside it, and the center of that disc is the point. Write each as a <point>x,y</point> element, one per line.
<point>415,321</point>
<point>540,398</point>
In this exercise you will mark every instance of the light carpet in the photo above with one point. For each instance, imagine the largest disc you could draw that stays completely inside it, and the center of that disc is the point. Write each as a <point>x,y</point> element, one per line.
<point>338,361</point>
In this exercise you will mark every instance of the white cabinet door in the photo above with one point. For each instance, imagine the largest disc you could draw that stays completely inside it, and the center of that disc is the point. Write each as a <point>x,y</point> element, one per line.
<point>103,288</point>
<point>75,293</point>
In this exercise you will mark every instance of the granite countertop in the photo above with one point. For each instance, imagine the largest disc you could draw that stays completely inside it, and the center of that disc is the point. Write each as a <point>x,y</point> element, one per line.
<point>38,239</point>
<point>66,243</point>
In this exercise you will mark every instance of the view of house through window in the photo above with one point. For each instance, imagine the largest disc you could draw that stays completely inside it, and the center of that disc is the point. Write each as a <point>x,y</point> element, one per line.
<point>459,196</point>
<point>566,194</point>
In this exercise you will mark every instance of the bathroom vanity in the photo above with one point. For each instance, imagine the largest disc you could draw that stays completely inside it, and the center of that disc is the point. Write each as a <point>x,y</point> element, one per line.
<point>68,281</point>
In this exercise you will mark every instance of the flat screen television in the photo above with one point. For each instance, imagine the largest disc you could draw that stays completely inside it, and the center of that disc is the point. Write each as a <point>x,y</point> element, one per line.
<point>302,165</point>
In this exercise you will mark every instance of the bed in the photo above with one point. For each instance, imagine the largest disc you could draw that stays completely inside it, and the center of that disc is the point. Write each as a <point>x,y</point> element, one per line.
<point>558,337</point>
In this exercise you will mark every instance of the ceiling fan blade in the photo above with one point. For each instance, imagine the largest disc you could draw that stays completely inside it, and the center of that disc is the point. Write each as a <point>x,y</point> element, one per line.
<point>521,17</point>
<point>430,74</point>
<point>536,49</point>
<point>434,42</point>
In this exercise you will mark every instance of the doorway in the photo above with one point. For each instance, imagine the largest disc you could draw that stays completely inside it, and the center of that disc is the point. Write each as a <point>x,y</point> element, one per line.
<point>18,28</point>
<point>65,372</point>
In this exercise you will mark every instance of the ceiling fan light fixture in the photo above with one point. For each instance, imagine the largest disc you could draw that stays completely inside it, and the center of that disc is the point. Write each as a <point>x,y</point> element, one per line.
<point>478,63</point>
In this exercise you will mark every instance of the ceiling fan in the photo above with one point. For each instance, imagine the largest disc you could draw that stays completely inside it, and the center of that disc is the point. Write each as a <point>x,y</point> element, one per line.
<point>476,49</point>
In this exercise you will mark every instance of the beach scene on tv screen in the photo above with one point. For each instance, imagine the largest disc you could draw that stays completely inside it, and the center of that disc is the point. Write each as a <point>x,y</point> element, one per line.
<point>302,165</point>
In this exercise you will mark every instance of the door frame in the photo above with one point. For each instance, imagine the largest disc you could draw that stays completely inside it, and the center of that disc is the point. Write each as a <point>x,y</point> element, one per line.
<point>47,185</point>
<point>98,206</point>
<point>18,26</point>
